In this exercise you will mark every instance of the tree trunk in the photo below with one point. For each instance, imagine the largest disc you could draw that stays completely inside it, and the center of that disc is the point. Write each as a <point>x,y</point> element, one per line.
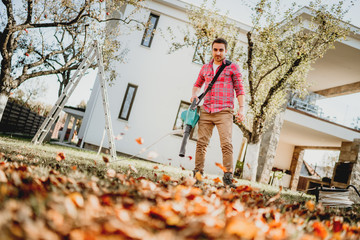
<point>251,161</point>
<point>3,101</point>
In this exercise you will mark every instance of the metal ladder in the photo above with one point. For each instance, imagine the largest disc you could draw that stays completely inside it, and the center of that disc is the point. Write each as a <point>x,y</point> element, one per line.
<point>94,51</point>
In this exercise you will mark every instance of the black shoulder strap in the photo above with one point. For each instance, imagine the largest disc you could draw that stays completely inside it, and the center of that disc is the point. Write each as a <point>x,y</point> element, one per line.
<point>227,63</point>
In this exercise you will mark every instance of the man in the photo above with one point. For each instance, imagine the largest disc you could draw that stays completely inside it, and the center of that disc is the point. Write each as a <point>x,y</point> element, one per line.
<point>217,109</point>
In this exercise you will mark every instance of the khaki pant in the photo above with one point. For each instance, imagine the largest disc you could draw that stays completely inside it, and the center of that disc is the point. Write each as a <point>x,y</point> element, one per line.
<point>223,121</point>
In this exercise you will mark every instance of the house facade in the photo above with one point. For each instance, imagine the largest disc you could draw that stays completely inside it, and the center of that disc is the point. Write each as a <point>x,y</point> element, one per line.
<point>153,87</point>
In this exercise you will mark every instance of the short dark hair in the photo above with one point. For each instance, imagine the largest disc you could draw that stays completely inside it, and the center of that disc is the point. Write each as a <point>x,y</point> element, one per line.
<point>220,40</point>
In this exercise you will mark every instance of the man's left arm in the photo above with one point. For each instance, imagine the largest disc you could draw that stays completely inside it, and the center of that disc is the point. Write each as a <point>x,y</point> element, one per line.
<point>240,93</point>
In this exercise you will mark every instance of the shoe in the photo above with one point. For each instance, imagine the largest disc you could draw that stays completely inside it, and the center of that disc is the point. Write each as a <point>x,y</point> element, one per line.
<point>227,180</point>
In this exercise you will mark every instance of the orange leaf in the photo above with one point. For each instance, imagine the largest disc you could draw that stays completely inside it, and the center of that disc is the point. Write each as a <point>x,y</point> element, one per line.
<point>221,167</point>
<point>156,167</point>
<point>165,178</point>
<point>198,176</point>
<point>310,205</point>
<point>242,228</point>
<point>73,168</point>
<point>243,188</point>
<point>320,230</point>
<point>139,140</point>
<point>60,156</point>
<point>77,199</point>
<point>217,180</point>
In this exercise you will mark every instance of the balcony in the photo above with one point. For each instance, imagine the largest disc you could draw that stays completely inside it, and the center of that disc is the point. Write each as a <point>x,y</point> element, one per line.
<point>331,109</point>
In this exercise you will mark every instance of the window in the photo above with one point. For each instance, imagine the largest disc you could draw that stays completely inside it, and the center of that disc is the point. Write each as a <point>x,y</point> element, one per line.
<point>150,30</point>
<point>179,124</point>
<point>128,101</point>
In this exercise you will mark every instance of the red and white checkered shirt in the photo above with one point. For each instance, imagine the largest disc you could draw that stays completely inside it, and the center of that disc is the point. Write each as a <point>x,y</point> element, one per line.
<point>221,94</point>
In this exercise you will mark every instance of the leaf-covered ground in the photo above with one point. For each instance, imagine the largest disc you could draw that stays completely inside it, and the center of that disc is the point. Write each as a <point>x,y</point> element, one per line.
<point>55,198</point>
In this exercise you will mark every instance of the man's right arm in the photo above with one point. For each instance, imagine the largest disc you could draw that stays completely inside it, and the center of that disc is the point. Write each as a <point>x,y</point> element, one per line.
<point>195,93</point>
<point>197,86</point>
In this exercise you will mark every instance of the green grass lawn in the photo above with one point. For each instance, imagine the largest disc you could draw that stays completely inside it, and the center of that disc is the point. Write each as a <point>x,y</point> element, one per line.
<point>81,196</point>
<point>89,163</point>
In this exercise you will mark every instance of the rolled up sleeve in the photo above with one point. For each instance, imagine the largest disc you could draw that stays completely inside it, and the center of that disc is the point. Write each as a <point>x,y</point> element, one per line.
<point>237,80</point>
<point>200,80</point>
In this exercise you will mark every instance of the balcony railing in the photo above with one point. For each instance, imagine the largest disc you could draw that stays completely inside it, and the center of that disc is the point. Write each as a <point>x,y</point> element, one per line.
<point>309,105</point>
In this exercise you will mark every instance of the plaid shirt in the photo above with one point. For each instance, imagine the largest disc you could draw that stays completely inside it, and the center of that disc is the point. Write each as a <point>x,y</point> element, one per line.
<point>221,94</point>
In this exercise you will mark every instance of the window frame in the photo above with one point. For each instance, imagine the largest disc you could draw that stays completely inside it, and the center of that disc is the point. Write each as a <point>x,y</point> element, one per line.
<point>131,102</point>
<point>152,31</point>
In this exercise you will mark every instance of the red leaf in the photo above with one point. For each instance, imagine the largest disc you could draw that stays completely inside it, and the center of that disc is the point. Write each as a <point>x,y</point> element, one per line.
<point>182,167</point>
<point>337,226</point>
<point>221,167</point>
<point>105,159</point>
<point>60,156</point>
<point>190,157</point>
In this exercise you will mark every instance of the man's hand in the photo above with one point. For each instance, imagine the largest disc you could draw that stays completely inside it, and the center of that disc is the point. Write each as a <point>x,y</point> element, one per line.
<point>194,97</point>
<point>240,116</point>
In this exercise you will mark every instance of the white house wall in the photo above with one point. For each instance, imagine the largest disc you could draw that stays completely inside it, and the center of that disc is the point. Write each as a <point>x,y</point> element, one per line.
<point>163,80</point>
<point>284,153</point>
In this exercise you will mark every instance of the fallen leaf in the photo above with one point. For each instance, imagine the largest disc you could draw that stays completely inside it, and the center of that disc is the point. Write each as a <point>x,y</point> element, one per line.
<point>221,166</point>
<point>165,178</point>
<point>133,168</point>
<point>320,230</point>
<point>60,156</point>
<point>156,167</point>
<point>310,205</point>
<point>20,157</point>
<point>3,176</point>
<point>198,176</point>
<point>111,173</point>
<point>182,167</point>
<point>217,180</point>
<point>74,168</point>
<point>190,157</point>
<point>105,159</point>
<point>274,198</point>
<point>139,140</point>
<point>77,199</point>
<point>239,226</point>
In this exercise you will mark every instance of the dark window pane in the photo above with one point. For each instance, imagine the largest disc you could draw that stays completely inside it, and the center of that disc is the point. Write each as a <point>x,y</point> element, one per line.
<point>128,102</point>
<point>149,31</point>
